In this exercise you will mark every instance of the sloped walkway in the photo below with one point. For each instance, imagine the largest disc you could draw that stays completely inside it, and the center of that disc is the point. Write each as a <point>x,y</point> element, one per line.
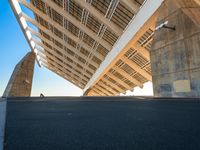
<point>101,123</point>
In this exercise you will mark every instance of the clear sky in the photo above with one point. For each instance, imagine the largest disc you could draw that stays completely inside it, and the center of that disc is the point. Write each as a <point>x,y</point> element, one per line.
<point>13,47</point>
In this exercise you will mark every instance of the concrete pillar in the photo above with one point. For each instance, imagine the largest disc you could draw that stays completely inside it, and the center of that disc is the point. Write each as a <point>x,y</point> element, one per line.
<point>20,82</point>
<point>175,55</point>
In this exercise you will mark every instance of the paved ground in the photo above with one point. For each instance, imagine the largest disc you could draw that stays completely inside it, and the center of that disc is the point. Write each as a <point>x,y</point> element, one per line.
<point>123,124</point>
<point>2,121</point>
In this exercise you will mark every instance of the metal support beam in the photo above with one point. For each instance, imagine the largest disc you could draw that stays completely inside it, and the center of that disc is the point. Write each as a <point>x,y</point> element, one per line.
<point>71,81</point>
<point>126,75</point>
<point>64,66</point>
<point>103,90</point>
<point>65,32</point>
<point>129,38</point>
<point>113,85</point>
<point>131,4</point>
<point>108,88</point>
<point>69,18</point>
<point>23,24</point>
<point>78,53</point>
<point>118,80</point>
<point>100,17</point>
<point>60,57</point>
<point>137,68</point>
<point>54,53</point>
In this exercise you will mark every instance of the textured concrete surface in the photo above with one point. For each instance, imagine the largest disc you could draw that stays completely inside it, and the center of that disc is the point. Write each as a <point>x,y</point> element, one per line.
<point>103,123</point>
<point>175,54</point>
<point>20,82</point>
<point>2,121</point>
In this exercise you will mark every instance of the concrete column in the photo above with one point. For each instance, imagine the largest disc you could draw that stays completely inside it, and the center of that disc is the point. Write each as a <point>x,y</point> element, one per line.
<point>175,55</point>
<point>20,83</point>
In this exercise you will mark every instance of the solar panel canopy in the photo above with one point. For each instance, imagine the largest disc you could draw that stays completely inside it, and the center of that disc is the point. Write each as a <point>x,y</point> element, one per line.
<point>75,39</point>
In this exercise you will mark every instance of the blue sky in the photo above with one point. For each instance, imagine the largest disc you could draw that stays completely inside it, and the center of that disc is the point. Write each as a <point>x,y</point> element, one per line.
<point>13,47</point>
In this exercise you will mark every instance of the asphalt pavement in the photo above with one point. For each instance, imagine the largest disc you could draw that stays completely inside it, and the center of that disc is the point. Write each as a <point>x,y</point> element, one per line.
<point>102,124</point>
<point>2,121</point>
